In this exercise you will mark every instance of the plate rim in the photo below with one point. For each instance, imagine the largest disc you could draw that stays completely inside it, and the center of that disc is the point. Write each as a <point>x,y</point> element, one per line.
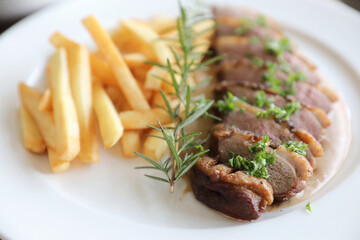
<point>340,7</point>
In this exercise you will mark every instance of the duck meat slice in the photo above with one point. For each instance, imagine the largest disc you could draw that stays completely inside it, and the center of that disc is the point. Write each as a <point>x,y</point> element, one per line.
<point>301,165</point>
<point>245,13</point>
<point>286,172</point>
<point>237,48</point>
<point>302,119</point>
<point>227,139</point>
<point>311,97</point>
<point>233,193</point>
<point>282,178</point>
<point>229,26</point>
<point>243,73</point>
<point>247,121</point>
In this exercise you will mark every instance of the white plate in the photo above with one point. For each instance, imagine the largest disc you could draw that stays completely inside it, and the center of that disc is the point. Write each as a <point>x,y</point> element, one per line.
<point>110,200</point>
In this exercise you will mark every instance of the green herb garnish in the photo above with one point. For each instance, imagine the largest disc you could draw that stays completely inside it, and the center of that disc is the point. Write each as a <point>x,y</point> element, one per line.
<point>261,145</point>
<point>270,77</point>
<point>298,147</point>
<point>254,40</point>
<point>277,47</point>
<point>262,100</point>
<point>261,21</point>
<point>278,112</point>
<point>249,55</point>
<point>187,110</point>
<point>308,207</point>
<point>246,25</point>
<point>229,103</point>
<point>284,88</point>
<point>293,77</point>
<point>284,66</point>
<point>240,163</point>
<point>256,61</point>
<point>256,167</point>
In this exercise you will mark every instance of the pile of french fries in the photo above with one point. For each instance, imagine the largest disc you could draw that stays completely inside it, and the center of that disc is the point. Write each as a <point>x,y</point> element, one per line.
<point>112,84</point>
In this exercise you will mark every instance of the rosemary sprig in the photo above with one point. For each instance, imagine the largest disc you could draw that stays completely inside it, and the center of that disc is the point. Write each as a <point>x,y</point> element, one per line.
<point>185,148</point>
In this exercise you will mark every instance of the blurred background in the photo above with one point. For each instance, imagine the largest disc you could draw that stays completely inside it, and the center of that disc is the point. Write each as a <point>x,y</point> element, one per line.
<point>12,11</point>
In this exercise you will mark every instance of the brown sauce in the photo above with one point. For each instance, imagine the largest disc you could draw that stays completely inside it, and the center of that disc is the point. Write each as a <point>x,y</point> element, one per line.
<point>336,144</point>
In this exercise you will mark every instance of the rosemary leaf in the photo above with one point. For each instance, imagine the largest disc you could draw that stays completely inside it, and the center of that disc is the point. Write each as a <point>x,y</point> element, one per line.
<point>167,103</point>
<point>157,178</point>
<point>196,114</point>
<point>188,136</point>
<point>150,161</point>
<point>188,108</point>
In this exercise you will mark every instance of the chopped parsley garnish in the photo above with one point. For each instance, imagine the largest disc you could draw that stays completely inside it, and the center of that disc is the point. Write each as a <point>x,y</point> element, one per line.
<point>308,207</point>
<point>261,145</point>
<point>246,24</point>
<point>249,55</point>
<point>261,21</point>
<point>271,78</point>
<point>284,66</point>
<point>285,44</point>
<point>256,167</point>
<point>261,99</point>
<point>256,61</point>
<point>277,47</point>
<point>254,40</point>
<point>278,112</point>
<point>240,30</point>
<point>298,147</point>
<point>229,103</point>
<point>286,87</point>
<point>298,76</point>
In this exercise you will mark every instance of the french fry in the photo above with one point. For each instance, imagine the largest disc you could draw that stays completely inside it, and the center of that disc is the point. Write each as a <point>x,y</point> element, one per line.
<point>162,24</point>
<point>111,128</point>
<point>167,85</point>
<point>31,135</point>
<point>202,45</point>
<point>59,40</point>
<point>102,71</point>
<point>125,79</point>
<point>158,100</point>
<point>207,27</point>
<point>66,120</point>
<point>117,98</point>
<point>154,76</point>
<point>126,42</point>
<point>148,93</point>
<point>154,147</point>
<point>144,34</point>
<point>30,99</point>
<point>130,143</point>
<point>140,72</point>
<point>132,120</point>
<point>134,59</point>
<point>45,103</point>
<point>56,164</point>
<point>81,88</point>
